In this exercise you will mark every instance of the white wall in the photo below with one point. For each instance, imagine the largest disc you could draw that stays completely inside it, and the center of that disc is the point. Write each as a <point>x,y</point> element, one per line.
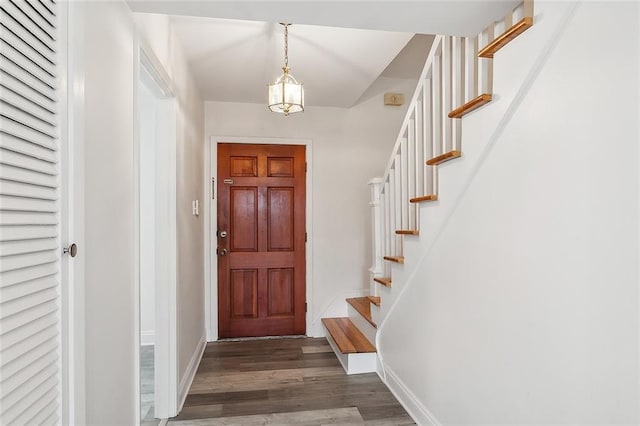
<point>148,119</point>
<point>523,306</point>
<point>109,214</point>
<point>109,208</point>
<point>350,146</point>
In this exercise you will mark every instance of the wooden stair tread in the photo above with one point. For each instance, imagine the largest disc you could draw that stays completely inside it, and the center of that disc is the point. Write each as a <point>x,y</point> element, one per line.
<point>396,259</point>
<point>407,232</point>
<point>384,281</point>
<point>472,105</point>
<point>349,339</point>
<point>363,306</point>
<point>503,39</point>
<point>443,158</point>
<point>432,197</point>
<point>374,299</point>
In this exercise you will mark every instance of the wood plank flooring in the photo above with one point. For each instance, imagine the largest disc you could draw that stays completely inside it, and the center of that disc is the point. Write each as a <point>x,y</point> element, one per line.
<point>284,382</point>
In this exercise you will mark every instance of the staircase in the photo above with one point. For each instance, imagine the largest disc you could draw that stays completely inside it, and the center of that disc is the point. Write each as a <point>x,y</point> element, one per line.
<point>456,80</point>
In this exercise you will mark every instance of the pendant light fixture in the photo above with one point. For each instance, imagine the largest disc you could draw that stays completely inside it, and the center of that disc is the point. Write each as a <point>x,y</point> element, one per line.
<point>286,95</point>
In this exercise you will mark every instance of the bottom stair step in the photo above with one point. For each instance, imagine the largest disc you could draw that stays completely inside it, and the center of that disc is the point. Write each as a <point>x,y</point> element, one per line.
<point>349,339</point>
<point>354,351</point>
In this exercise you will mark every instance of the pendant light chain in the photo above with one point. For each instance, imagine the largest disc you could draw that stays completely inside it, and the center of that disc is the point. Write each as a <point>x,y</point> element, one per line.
<point>286,47</point>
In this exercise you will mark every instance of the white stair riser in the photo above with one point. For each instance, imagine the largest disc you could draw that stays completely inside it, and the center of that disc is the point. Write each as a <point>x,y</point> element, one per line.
<point>363,325</point>
<point>354,363</point>
<point>376,314</point>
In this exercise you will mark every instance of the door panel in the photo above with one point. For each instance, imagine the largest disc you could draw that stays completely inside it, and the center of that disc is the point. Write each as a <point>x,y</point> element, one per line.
<point>261,259</point>
<point>243,219</point>
<point>280,219</point>
<point>281,292</point>
<point>244,293</point>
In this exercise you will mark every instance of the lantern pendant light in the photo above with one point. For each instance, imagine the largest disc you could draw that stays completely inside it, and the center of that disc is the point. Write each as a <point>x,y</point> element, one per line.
<point>286,95</point>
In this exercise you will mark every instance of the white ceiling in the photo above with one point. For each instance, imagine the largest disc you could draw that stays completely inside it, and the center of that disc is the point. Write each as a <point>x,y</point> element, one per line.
<point>451,17</point>
<point>234,60</point>
<point>336,48</point>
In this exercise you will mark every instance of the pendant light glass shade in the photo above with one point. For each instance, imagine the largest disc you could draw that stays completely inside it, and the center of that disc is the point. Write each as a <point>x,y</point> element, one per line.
<point>286,95</point>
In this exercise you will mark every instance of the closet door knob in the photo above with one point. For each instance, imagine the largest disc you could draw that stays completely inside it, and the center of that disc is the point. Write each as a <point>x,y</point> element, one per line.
<point>72,250</point>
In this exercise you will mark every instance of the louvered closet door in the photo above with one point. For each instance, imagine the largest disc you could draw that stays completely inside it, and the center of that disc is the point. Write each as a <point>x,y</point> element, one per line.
<point>29,214</point>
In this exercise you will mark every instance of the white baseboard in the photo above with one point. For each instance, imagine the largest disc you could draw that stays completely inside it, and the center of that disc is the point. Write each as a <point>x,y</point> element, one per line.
<point>418,412</point>
<point>147,338</point>
<point>190,374</point>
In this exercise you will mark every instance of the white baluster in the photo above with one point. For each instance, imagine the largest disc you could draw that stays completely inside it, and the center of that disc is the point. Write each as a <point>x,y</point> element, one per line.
<point>446,95</point>
<point>485,66</point>
<point>499,26</point>
<point>392,212</point>
<point>507,22</point>
<point>388,241</point>
<point>418,154</point>
<point>411,170</point>
<point>377,229</point>
<point>528,8</point>
<point>470,68</point>
<point>427,132</point>
<point>457,88</point>
<point>436,106</point>
<point>397,204</point>
<point>404,180</point>
<point>418,163</point>
<point>518,13</point>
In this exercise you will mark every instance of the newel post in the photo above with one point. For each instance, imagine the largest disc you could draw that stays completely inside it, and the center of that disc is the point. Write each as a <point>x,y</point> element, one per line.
<point>376,185</point>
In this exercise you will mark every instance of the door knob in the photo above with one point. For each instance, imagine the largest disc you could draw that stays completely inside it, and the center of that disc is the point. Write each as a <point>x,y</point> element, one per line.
<point>72,250</point>
<point>223,252</point>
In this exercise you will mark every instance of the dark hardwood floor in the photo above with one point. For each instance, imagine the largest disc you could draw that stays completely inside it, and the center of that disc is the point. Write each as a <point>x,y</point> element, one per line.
<point>296,381</point>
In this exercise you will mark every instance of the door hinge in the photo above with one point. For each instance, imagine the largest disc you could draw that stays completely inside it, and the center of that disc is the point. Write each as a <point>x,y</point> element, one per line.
<point>305,237</point>
<point>213,188</point>
<point>305,306</point>
<point>305,166</point>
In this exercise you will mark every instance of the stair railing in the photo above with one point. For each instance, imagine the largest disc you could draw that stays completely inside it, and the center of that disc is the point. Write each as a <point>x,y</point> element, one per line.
<point>454,81</point>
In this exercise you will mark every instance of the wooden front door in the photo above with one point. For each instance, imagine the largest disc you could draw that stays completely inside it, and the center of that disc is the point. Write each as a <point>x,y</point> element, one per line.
<point>261,240</point>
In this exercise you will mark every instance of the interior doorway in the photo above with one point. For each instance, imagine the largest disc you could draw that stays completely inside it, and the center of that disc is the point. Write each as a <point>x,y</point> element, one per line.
<point>156,247</point>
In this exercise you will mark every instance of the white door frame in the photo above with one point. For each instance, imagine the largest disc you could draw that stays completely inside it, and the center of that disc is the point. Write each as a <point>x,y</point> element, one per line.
<point>166,347</point>
<point>211,225</point>
<point>73,373</point>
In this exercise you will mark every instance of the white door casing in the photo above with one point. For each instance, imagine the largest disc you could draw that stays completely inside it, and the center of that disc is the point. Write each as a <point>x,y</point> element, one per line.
<point>165,354</point>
